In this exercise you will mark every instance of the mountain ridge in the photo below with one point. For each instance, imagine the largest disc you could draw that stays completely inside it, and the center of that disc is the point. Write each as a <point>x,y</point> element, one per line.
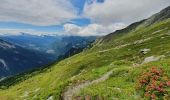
<point>11,54</point>
<point>124,55</point>
<point>162,15</point>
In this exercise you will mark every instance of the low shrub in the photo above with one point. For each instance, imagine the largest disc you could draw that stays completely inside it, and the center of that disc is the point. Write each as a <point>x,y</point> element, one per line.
<point>154,84</point>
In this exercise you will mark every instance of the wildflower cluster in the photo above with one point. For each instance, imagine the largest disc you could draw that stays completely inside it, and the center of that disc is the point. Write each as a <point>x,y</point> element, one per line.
<point>154,84</point>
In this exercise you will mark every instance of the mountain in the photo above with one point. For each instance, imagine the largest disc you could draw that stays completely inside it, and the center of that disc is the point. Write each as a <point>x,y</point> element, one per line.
<point>164,14</point>
<point>45,49</point>
<point>110,69</point>
<point>26,40</point>
<point>70,45</point>
<point>52,45</point>
<point>15,59</point>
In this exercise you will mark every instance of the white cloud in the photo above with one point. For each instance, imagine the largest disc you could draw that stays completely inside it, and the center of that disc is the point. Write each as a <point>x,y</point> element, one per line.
<point>72,28</point>
<point>126,11</point>
<point>92,29</point>
<point>37,12</point>
<point>106,17</point>
<point>4,31</point>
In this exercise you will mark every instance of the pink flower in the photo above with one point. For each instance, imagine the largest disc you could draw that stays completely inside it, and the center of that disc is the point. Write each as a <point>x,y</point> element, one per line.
<point>153,96</point>
<point>168,83</point>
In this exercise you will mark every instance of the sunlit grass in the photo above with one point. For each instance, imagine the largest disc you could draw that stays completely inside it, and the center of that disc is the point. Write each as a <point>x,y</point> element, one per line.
<point>92,64</point>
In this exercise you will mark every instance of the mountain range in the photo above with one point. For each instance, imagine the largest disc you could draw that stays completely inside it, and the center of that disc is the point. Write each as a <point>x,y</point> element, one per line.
<point>55,45</point>
<point>15,59</point>
<point>25,52</point>
<point>109,69</point>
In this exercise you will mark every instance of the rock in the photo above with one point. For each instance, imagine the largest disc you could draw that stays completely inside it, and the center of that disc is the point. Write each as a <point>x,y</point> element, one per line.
<point>78,98</point>
<point>50,98</point>
<point>145,51</point>
<point>88,97</point>
<point>121,46</point>
<point>142,40</point>
<point>35,96</point>
<point>37,90</point>
<point>160,30</point>
<point>26,94</point>
<point>118,89</point>
<point>152,58</point>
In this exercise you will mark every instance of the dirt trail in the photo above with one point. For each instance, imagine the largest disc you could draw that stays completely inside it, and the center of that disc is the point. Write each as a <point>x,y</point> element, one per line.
<point>69,93</point>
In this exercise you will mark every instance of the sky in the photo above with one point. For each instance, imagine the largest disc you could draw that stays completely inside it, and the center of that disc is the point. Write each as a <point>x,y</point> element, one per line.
<point>73,17</point>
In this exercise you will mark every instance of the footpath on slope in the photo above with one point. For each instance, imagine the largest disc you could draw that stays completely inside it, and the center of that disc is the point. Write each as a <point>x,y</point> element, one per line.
<point>69,93</point>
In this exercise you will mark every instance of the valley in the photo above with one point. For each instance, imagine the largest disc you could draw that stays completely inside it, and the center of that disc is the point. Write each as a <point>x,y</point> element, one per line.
<point>18,53</point>
<point>109,70</point>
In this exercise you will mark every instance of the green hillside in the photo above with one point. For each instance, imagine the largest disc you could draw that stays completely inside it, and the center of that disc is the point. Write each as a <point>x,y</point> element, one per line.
<point>109,70</point>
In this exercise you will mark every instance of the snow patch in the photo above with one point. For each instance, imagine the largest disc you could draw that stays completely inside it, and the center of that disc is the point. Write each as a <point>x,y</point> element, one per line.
<point>6,45</point>
<point>3,64</point>
<point>50,51</point>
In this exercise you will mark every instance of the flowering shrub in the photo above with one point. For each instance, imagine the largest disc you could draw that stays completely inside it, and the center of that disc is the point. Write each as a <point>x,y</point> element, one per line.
<point>154,84</point>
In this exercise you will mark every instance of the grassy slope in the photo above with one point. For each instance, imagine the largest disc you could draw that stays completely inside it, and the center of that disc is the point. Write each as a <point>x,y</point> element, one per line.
<point>93,63</point>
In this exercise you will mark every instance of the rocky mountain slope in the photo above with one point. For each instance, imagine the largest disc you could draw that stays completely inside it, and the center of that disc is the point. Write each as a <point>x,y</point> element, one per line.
<point>53,45</point>
<point>164,14</point>
<point>25,52</point>
<point>125,56</point>
<point>15,59</point>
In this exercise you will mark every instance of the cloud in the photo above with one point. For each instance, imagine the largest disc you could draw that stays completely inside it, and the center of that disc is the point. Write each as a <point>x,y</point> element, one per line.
<point>72,28</point>
<point>105,16</point>
<point>126,11</point>
<point>37,12</point>
<point>4,31</point>
<point>92,29</point>
<point>69,29</point>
